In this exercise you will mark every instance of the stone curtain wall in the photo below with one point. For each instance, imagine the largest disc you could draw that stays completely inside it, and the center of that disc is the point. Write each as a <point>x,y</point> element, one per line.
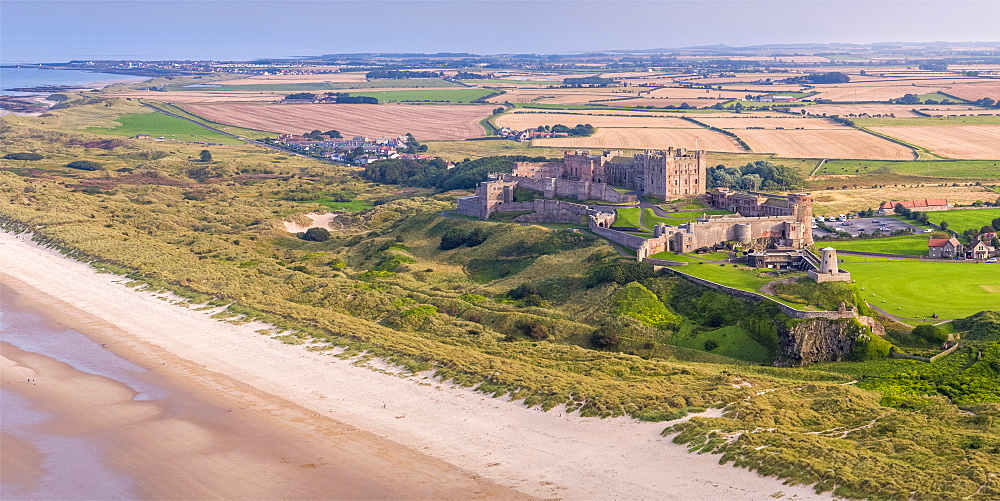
<point>624,239</point>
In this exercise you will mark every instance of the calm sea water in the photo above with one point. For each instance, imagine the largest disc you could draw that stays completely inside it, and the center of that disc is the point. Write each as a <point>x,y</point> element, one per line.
<point>34,77</point>
<point>74,466</point>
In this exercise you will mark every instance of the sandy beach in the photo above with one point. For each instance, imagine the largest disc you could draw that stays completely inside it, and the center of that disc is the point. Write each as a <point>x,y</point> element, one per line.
<point>397,437</point>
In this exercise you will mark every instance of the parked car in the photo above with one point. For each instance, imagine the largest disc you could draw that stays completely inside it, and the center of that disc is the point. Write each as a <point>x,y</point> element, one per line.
<point>927,230</point>
<point>991,260</point>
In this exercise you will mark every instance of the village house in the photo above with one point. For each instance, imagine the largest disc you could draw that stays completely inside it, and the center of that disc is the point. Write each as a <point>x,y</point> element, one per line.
<point>944,248</point>
<point>979,250</point>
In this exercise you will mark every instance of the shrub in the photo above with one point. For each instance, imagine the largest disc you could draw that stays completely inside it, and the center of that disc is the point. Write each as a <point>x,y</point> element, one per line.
<point>605,337</point>
<point>23,156</point>
<point>710,345</point>
<point>620,272</point>
<point>452,239</point>
<point>84,165</point>
<point>476,237</point>
<point>524,290</point>
<point>930,333</point>
<point>316,235</point>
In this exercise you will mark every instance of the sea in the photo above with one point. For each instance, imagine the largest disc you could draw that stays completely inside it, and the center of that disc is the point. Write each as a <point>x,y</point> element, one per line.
<point>25,76</point>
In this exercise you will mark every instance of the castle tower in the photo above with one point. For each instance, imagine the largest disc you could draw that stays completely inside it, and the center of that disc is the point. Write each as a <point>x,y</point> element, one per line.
<point>801,206</point>
<point>828,263</point>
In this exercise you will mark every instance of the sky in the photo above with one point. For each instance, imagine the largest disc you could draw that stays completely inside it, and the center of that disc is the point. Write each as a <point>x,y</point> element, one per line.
<point>58,31</point>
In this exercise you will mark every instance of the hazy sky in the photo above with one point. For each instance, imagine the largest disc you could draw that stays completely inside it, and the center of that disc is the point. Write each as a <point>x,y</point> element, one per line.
<point>55,31</point>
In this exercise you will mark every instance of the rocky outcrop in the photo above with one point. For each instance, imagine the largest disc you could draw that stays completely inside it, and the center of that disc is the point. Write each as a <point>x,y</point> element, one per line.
<point>803,342</point>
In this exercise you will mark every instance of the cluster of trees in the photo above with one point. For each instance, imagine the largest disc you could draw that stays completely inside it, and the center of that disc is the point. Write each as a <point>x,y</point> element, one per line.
<point>347,98</point>
<point>464,75</point>
<point>833,77</point>
<point>754,176</point>
<point>398,74</point>
<point>582,130</point>
<point>592,81</point>
<point>920,217</point>
<point>317,134</point>
<point>301,95</point>
<point>23,156</point>
<point>435,173</point>
<point>988,102</point>
<point>315,235</point>
<point>85,165</point>
<point>455,238</point>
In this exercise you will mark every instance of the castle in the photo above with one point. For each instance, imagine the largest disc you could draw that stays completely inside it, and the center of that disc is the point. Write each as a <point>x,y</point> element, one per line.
<point>666,175</point>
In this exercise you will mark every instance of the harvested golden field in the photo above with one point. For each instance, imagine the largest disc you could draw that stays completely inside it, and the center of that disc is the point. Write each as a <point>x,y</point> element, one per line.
<point>575,96</point>
<point>844,110</point>
<point>689,93</point>
<point>772,122</point>
<point>972,142</point>
<point>750,77</point>
<point>520,120</point>
<point>426,122</point>
<point>974,91</point>
<point>870,92</point>
<point>841,201</point>
<point>660,102</point>
<point>640,139</point>
<point>846,143</point>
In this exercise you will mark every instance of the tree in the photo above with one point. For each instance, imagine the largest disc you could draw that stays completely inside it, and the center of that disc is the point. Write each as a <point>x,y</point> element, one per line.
<point>944,225</point>
<point>604,337</point>
<point>931,333</point>
<point>316,235</point>
<point>206,156</point>
<point>987,229</point>
<point>84,165</point>
<point>452,239</point>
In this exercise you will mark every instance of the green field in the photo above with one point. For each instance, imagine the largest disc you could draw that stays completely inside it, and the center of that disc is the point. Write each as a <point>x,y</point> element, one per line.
<point>914,245</point>
<point>963,219</point>
<point>939,97</point>
<point>744,278</point>
<point>915,289</point>
<point>459,95</point>
<point>970,120</point>
<point>627,218</point>
<point>232,129</point>
<point>971,169</point>
<point>160,125</point>
<point>351,206</point>
<point>496,82</point>
<point>323,86</point>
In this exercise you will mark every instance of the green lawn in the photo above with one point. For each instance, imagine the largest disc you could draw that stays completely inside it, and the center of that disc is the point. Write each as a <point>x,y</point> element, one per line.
<point>973,169</point>
<point>736,277</point>
<point>963,219</point>
<point>915,289</point>
<point>159,125</point>
<point>458,95</point>
<point>691,258</point>
<point>627,218</point>
<point>351,206</point>
<point>915,245</point>
<point>677,218</point>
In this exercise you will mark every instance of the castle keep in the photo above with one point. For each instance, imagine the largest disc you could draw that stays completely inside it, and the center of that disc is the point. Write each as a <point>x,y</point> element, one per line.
<point>668,175</point>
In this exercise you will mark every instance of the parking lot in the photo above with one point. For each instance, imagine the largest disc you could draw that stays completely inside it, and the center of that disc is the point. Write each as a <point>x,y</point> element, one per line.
<point>868,225</point>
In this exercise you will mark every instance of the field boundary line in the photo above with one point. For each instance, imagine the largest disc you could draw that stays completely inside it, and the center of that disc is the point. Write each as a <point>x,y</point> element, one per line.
<point>818,166</point>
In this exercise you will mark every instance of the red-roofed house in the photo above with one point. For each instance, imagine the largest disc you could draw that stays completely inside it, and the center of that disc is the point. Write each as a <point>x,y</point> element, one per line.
<point>944,248</point>
<point>929,204</point>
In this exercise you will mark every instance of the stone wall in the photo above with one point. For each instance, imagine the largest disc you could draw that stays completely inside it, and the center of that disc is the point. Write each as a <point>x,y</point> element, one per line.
<point>618,237</point>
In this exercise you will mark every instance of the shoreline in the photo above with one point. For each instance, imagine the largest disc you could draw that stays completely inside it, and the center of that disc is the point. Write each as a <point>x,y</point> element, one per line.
<point>540,454</point>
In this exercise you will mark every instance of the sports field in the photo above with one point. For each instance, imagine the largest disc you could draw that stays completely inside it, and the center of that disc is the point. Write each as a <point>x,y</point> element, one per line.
<point>918,289</point>
<point>964,219</point>
<point>160,125</point>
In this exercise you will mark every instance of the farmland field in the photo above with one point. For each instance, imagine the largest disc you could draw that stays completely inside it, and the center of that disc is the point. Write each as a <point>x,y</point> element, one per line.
<point>897,110</point>
<point>692,93</point>
<point>661,102</point>
<point>837,200</point>
<point>456,151</point>
<point>914,245</point>
<point>848,143</point>
<point>624,138</point>
<point>318,77</point>
<point>971,169</point>
<point>787,122</point>
<point>904,287</point>
<point>158,124</point>
<point>426,122</point>
<point>978,90</point>
<point>459,95</point>
<point>961,220</point>
<point>959,141</point>
<point>527,119</point>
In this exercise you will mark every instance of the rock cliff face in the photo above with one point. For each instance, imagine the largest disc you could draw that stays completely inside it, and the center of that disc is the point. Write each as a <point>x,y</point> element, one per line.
<point>806,342</point>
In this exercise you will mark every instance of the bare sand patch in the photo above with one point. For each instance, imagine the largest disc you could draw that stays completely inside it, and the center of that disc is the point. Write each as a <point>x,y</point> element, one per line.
<point>316,220</point>
<point>991,288</point>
